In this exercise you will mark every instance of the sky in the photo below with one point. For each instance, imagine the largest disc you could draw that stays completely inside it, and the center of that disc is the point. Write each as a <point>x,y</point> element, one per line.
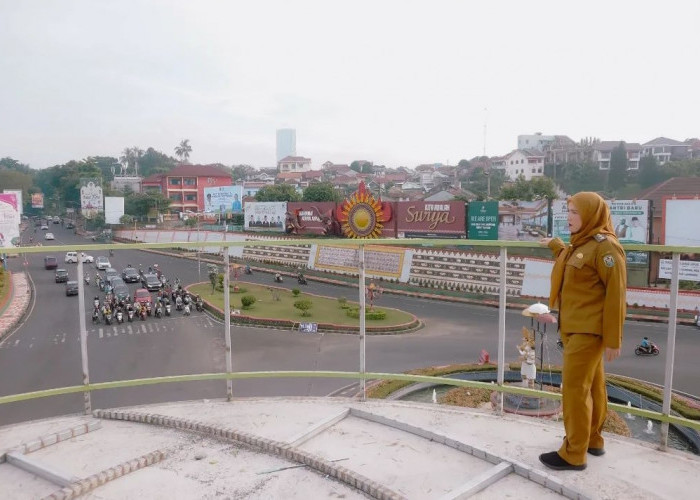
<point>396,82</point>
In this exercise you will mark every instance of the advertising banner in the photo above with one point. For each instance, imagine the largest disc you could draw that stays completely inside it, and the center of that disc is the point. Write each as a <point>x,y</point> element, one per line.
<point>114,209</point>
<point>425,219</point>
<point>9,220</point>
<point>483,220</point>
<point>311,217</point>
<point>522,220</point>
<point>681,225</point>
<point>223,199</point>
<point>385,262</point>
<point>91,200</point>
<point>629,218</point>
<point>18,193</point>
<point>688,270</point>
<point>38,200</point>
<point>265,216</point>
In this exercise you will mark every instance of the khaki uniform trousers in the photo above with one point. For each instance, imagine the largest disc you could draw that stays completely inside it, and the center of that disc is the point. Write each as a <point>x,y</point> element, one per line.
<point>584,396</point>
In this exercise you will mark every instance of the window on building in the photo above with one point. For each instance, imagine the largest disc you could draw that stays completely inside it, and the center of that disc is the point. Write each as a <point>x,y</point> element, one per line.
<point>174,181</point>
<point>190,181</point>
<point>539,170</point>
<point>176,196</point>
<point>191,197</point>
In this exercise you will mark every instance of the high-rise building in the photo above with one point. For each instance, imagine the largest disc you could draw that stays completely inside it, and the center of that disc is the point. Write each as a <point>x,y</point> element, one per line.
<point>286,143</point>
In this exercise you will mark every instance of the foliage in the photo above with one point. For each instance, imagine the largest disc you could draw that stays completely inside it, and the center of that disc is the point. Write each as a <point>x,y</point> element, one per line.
<point>183,150</point>
<point>617,175</point>
<point>247,301</point>
<point>296,292</point>
<point>323,191</point>
<point>682,168</point>
<point>479,182</point>
<point>536,189</point>
<point>361,166</point>
<point>649,172</point>
<point>343,302</point>
<point>241,172</point>
<point>375,314</point>
<point>304,305</point>
<point>139,205</point>
<point>277,192</point>
<point>126,219</point>
<point>155,162</point>
<point>191,222</point>
<point>576,177</point>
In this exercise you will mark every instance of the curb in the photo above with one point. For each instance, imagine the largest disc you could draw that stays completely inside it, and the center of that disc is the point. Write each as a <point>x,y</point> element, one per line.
<point>18,319</point>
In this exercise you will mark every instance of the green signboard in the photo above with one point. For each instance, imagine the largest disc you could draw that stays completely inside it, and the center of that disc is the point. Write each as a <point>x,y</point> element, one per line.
<point>483,220</point>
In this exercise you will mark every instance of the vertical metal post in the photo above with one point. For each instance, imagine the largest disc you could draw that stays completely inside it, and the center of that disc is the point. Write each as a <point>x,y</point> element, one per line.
<point>199,260</point>
<point>670,348</point>
<point>227,325</point>
<point>83,333</point>
<point>502,326</point>
<point>363,382</point>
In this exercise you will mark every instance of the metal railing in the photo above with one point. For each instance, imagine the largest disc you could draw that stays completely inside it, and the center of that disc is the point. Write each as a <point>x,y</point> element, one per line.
<point>362,375</point>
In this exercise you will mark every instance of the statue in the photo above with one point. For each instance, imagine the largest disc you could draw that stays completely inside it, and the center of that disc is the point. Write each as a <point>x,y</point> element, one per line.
<point>528,370</point>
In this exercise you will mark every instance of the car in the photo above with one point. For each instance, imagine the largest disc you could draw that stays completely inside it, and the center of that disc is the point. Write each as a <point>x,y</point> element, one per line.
<point>130,275</point>
<point>72,257</point>
<point>50,262</point>
<point>71,288</point>
<point>111,273</point>
<point>49,236</point>
<point>102,263</point>
<point>121,291</point>
<point>44,227</point>
<point>143,296</point>
<point>61,276</point>
<point>150,282</point>
<point>70,225</point>
<point>56,220</point>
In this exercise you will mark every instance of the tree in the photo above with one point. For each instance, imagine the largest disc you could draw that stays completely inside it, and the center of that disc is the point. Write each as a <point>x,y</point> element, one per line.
<point>649,172</point>
<point>617,175</point>
<point>131,157</point>
<point>139,205</point>
<point>582,177</point>
<point>323,191</point>
<point>278,192</point>
<point>303,305</point>
<point>241,172</point>
<point>155,162</point>
<point>536,189</point>
<point>362,166</point>
<point>183,150</point>
<point>479,181</point>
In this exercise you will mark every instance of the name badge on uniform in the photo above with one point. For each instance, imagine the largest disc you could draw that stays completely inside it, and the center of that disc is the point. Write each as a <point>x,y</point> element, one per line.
<point>609,260</point>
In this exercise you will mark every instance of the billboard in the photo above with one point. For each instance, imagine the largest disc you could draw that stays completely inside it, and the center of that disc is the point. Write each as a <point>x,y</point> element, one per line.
<point>629,218</point>
<point>310,217</point>
<point>681,226</point>
<point>522,220</point>
<point>114,209</point>
<point>223,199</point>
<point>38,200</point>
<point>18,193</point>
<point>91,201</point>
<point>9,220</point>
<point>688,270</point>
<point>483,220</point>
<point>427,219</point>
<point>265,216</point>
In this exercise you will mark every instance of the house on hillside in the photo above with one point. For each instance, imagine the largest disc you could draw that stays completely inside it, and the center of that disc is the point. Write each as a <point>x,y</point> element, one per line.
<point>665,149</point>
<point>526,162</point>
<point>602,152</point>
<point>294,164</point>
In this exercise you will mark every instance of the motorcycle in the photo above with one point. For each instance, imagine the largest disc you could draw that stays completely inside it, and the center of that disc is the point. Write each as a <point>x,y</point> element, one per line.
<point>149,308</point>
<point>130,315</point>
<point>120,317</point>
<point>159,311</point>
<point>301,280</point>
<point>696,320</point>
<point>108,318</point>
<point>187,310</point>
<point>248,270</point>
<point>167,309</point>
<point>87,279</point>
<point>278,279</point>
<point>178,304</point>
<point>142,314</point>
<point>199,305</point>
<point>653,350</point>
<point>95,316</point>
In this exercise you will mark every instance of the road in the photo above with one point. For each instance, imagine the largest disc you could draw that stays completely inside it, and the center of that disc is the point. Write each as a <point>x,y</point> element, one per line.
<point>44,352</point>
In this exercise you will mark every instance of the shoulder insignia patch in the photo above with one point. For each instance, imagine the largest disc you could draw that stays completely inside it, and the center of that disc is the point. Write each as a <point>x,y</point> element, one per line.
<point>609,260</point>
<point>600,237</point>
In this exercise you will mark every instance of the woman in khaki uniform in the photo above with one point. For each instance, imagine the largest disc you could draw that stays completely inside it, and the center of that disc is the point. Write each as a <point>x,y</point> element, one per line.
<point>588,287</point>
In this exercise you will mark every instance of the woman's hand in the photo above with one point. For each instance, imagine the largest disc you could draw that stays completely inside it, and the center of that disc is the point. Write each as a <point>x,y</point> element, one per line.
<point>545,242</point>
<point>611,354</point>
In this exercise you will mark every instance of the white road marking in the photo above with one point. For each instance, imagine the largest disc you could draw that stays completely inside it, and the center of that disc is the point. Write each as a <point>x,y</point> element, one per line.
<point>16,341</point>
<point>101,333</point>
<point>131,332</point>
<point>143,327</point>
<point>30,345</point>
<point>150,328</point>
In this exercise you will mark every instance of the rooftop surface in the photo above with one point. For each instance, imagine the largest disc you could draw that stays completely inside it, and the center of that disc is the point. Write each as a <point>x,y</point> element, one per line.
<point>321,448</point>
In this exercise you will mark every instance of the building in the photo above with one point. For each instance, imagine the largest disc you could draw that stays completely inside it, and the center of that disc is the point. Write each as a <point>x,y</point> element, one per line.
<point>286,143</point>
<point>184,185</point>
<point>535,141</point>
<point>602,152</point>
<point>127,182</point>
<point>294,164</point>
<point>665,149</point>
<point>526,162</point>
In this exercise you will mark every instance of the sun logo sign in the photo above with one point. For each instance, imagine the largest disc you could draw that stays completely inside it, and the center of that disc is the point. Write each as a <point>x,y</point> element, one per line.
<point>362,215</point>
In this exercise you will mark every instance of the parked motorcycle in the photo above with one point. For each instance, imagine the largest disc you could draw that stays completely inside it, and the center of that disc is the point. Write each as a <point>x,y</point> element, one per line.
<point>653,350</point>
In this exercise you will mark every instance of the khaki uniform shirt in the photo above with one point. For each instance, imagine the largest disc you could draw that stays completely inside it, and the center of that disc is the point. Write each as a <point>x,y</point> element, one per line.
<point>592,298</point>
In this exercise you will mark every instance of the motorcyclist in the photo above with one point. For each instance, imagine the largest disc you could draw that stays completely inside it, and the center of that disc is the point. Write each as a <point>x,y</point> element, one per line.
<point>645,344</point>
<point>278,277</point>
<point>247,269</point>
<point>300,278</point>
<point>96,302</point>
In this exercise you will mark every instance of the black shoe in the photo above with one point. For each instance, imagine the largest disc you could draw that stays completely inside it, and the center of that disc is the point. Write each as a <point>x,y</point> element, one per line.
<point>554,461</point>
<point>598,452</point>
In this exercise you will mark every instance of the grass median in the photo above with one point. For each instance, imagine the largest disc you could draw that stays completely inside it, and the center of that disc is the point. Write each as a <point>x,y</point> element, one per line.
<point>278,303</point>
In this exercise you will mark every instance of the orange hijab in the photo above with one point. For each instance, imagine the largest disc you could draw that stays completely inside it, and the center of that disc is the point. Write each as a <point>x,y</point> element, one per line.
<point>595,219</point>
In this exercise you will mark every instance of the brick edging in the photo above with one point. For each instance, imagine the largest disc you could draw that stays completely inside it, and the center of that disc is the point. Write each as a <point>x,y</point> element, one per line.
<point>265,445</point>
<point>7,299</point>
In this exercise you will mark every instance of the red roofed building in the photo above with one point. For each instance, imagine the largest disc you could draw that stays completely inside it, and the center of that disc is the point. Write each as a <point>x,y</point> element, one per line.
<point>184,185</point>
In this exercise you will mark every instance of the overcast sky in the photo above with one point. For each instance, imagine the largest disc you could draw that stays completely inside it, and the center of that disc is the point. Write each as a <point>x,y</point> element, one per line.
<point>395,82</point>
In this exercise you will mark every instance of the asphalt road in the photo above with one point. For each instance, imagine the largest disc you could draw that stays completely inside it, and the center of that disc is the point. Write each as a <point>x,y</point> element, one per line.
<point>44,352</point>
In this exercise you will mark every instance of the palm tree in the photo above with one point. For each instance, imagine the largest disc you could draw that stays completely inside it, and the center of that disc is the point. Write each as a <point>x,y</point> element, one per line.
<point>130,158</point>
<point>183,150</point>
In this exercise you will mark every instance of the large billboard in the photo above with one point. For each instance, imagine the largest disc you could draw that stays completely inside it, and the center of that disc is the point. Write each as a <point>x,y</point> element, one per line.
<point>428,219</point>
<point>681,225</point>
<point>522,220</point>
<point>18,193</point>
<point>9,220</point>
<point>91,201</point>
<point>311,217</point>
<point>114,209</point>
<point>629,218</point>
<point>223,199</point>
<point>38,200</point>
<point>265,216</point>
<point>483,220</point>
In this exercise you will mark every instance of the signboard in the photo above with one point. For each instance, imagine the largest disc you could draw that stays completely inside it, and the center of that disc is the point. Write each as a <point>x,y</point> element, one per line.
<point>114,209</point>
<point>223,199</point>
<point>308,327</point>
<point>636,257</point>
<point>308,217</point>
<point>38,200</point>
<point>688,270</point>
<point>265,216</point>
<point>629,218</point>
<point>681,224</point>
<point>483,220</point>
<point>522,220</point>
<point>9,220</point>
<point>91,201</point>
<point>425,219</point>
<point>387,262</point>
<point>18,193</point>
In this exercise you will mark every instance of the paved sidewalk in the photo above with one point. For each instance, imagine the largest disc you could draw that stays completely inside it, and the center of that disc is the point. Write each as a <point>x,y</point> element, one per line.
<point>21,295</point>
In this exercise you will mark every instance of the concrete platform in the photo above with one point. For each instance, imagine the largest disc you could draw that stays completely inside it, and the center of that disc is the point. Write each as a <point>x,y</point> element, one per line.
<point>310,448</point>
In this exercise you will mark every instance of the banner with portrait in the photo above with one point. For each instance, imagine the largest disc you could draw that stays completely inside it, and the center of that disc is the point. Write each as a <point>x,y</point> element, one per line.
<point>265,216</point>
<point>91,200</point>
<point>18,193</point>
<point>629,219</point>
<point>223,199</point>
<point>38,200</point>
<point>9,220</point>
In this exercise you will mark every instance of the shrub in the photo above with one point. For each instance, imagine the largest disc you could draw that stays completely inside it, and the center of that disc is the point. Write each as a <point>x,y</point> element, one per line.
<point>247,301</point>
<point>303,305</point>
<point>376,314</point>
<point>296,292</point>
<point>239,290</point>
<point>343,302</point>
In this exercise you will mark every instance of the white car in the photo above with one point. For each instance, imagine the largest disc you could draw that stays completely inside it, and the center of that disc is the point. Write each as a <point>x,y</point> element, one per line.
<point>72,258</point>
<point>48,236</point>
<point>44,227</point>
<point>102,263</point>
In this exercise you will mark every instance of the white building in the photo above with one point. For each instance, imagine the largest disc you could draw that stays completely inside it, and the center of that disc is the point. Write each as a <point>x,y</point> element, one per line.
<point>526,162</point>
<point>535,141</point>
<point>286,143</point>
<point>294,164</point>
